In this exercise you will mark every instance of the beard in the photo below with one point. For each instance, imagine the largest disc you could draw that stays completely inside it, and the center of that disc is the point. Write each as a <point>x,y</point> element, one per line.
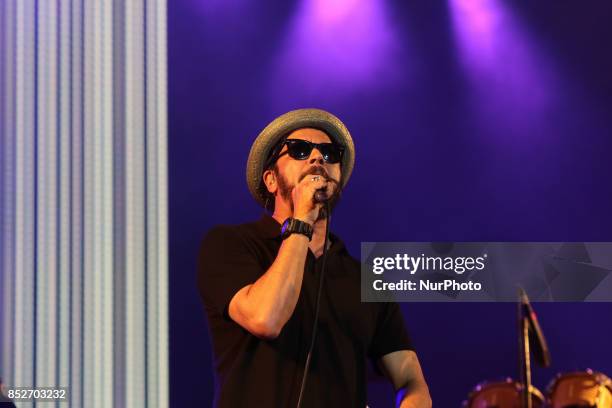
<point>285,188</point>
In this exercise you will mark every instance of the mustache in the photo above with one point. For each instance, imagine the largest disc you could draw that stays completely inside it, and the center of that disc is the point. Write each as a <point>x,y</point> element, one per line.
<point>317,171</point>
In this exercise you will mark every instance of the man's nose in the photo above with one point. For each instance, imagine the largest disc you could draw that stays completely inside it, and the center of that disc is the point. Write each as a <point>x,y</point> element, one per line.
<point>316,157</point>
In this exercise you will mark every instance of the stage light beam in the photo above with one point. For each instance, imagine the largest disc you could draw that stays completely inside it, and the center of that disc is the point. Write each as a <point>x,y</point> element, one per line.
<point>336,46</point>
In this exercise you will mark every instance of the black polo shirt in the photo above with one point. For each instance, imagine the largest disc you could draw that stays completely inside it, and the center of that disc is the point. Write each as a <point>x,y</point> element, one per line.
<point>252,372</point>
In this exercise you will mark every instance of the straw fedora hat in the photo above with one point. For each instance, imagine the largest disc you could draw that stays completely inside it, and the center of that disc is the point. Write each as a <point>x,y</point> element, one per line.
<point>282,127</point>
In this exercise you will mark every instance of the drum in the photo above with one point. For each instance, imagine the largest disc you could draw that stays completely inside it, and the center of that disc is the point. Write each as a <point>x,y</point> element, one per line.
<point>502,394</point>
<point>582,389</point>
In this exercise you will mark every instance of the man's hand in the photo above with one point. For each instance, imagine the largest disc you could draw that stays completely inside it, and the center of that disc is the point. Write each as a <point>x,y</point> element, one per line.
<point>403,369</point>
<point>305,209</point>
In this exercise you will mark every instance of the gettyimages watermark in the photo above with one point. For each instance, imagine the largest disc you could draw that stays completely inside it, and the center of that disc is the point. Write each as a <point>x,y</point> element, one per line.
<point>486,271</point>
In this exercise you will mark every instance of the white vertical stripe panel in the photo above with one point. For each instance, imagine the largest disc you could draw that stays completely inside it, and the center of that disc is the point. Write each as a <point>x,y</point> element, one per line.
<point>64,180</point>
<point>7,177</point>
<point>152,208</point>
<point>90,369</point>
<point>77,209</point>
<point>135,204</point>
<point>47,200</point>
<point>156,203</point>
<point>97,134</point>
<point>51,206</point>
<point>25,202</point>
<point>161,233</point>
<point>41,161</point>
<point>8,301</point>
<point>64,200</point>
<point>107,202</point>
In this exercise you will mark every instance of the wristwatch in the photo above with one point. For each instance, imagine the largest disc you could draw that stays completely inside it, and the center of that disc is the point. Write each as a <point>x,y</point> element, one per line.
<point>295,226</point>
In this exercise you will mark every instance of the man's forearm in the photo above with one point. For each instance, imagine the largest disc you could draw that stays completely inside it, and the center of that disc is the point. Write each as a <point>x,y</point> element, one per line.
<point>264,307</point>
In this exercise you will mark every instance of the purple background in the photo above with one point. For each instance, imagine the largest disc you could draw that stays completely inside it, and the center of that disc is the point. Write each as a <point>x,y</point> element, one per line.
<point>473,120</point>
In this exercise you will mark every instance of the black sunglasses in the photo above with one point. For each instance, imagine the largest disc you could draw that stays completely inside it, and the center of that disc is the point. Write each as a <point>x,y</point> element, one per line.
<point>299,149</point>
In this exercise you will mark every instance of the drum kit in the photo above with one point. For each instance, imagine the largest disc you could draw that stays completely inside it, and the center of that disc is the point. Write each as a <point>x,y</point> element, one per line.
<point>582,389</point>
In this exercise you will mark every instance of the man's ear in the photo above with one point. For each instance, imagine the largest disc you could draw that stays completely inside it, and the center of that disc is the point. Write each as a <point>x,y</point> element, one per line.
<point>269,180</point>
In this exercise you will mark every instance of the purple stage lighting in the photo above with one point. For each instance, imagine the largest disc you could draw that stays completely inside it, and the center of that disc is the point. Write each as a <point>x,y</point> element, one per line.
<point>511,77</point>
<point>222,7</point>
<point>476,24</point>
<point>335,46</point>
<point>330,11</point>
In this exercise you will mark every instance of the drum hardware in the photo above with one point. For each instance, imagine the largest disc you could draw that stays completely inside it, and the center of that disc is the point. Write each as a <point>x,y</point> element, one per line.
<point>501,394</point>
<point>530,334</point>
<point>580,389</point>
<point>588,389</point>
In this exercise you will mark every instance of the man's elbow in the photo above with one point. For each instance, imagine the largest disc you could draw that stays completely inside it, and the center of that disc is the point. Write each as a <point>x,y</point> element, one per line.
<point>265,328</point>
<point>254,320</point>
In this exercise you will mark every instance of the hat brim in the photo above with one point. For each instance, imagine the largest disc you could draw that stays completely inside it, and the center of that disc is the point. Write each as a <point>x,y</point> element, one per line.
<point>283,126</point>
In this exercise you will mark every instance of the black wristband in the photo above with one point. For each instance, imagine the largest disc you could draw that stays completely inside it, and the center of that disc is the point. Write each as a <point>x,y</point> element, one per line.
<point>295,226</point>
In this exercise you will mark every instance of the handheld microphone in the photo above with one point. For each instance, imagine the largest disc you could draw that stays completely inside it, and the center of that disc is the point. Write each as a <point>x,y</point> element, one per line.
<point>320,196</point>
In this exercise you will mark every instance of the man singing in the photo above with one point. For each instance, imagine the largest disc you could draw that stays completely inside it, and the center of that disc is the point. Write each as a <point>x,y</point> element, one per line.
<point>259,284</point>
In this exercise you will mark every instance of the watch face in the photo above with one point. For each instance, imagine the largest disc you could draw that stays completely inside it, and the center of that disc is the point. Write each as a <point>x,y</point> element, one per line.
<point>291,225</point>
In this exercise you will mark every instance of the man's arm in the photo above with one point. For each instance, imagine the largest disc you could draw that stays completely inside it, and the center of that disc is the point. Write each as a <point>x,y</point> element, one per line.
<point>264,306</point>
<point>404,371</point>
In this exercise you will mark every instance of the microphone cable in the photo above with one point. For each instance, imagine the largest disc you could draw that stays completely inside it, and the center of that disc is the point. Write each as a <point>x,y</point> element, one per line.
<point>317,307</point>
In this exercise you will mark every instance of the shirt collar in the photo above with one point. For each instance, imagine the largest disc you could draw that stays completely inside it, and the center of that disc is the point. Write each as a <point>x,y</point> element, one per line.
<point>268,227</point>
